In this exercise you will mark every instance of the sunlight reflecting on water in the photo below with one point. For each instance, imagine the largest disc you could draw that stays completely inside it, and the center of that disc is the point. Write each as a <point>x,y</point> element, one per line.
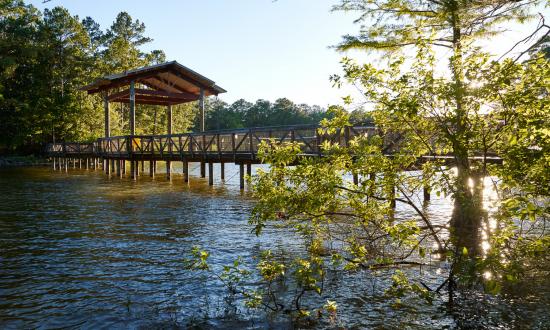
<point>84,250</point>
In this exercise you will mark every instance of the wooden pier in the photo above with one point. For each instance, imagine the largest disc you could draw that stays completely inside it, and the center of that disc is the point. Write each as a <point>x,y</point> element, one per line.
<point>239,146</point>
<point>171,83</point>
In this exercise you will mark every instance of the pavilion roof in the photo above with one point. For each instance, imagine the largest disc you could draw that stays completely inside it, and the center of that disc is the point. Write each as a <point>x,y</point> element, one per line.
<point>166,83</point>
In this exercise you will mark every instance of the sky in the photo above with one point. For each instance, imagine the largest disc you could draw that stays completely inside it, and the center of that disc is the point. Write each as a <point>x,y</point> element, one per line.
<point>255,49</point>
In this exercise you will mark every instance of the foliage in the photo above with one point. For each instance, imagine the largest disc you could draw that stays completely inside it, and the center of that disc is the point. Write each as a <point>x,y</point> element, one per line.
<point>479,107</point>
<point>242,114</point>
<point>46,57</point>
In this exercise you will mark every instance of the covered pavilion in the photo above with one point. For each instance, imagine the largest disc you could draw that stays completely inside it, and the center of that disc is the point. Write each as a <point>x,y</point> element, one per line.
<point>164,84</point>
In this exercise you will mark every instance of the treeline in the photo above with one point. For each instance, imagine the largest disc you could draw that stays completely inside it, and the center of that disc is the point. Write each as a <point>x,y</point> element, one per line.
<point>45,57</point>
<point>242,114</point>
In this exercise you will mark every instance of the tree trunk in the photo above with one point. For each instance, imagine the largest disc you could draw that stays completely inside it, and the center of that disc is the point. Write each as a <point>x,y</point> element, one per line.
<point>466,218</point>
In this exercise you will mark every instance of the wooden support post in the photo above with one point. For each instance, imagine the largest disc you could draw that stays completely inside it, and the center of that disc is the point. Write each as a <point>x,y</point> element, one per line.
<point>185,171</point>
<point>427,191</point>
<point>80,163</point>
<point>241,175</point>
<point>355,179</point>
<point>113,162</point>
<point>133,169</point>
<point>118,169</point>
<point>106,109</point>
<point>249,169</point>
<point>151,169</point>
<point>169,131</point>
<point>87,163</point>
<point>53,163</point>
<point>210,173</point>
<point>142,166</point>
<point>74,163</point>
<point>137,168</point>
<point>203,169</point>
<point>392,197</point>
<point>132,109</point>
<point>124,167</point>
<point>169,119</point>
<point>201,110</point>
<point>222,171</point>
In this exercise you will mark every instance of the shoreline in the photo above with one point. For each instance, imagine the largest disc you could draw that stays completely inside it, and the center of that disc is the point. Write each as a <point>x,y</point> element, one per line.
<point>22,161</point>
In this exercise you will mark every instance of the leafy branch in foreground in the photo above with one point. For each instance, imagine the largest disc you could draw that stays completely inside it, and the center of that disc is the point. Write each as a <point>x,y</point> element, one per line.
<point>238,280</point>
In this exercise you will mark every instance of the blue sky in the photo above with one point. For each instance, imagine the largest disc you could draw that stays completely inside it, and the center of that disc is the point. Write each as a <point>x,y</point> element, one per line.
<point>253,48</point>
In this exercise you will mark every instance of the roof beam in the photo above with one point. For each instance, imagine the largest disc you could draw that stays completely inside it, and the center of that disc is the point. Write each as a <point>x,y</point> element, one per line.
<point>125,81</point>
<point>163,84</point>
<point>117,95</point>
<point>147,99</point>
<point>180,95</point>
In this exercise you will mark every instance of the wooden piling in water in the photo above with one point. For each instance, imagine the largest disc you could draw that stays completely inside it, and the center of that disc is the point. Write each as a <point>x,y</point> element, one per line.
<point>222,171</point>
<point>168,170</point>
<point>185,171</point>
<point>241,175</point>
<point>392,197</point>
<point>133,169</point>
<point>118,169</point>
<point>210,173</point>
<point>355,179</point>
<point>426,190</point>
<point>151,169</point>
<point>203,169</point>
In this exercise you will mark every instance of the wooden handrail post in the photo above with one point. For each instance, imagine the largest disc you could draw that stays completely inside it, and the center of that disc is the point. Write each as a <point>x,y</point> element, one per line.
<point>233,147</point>
<point>251,144</point>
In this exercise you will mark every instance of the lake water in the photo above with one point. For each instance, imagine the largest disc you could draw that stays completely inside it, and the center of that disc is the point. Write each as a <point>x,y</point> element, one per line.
<point>82,250</point>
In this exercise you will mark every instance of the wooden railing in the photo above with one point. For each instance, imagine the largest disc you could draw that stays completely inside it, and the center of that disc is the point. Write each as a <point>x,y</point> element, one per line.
<point>235,144</point>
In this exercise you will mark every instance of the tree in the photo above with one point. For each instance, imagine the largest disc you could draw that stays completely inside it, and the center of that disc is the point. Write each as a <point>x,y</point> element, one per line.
<point>45,59</point>
<point>454,25</point>
<point>17,53</point>
<point>420,110</point>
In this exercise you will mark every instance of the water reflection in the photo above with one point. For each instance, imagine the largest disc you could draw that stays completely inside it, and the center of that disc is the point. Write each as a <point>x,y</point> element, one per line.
<point>80,249</point>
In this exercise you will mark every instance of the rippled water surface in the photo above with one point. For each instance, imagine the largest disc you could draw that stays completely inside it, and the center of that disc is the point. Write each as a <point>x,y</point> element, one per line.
<point>81,250</point>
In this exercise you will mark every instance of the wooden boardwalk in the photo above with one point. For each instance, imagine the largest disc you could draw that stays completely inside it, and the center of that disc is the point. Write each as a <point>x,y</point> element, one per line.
<point>239,146</point>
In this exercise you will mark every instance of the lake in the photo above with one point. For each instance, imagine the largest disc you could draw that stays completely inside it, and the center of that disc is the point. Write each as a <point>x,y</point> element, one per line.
<point>82,250</point>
